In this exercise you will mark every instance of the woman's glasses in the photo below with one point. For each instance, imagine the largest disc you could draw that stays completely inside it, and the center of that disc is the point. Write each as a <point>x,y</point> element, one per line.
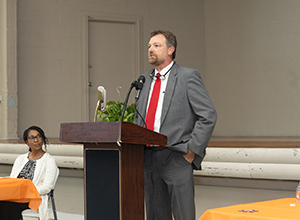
<point>32,138</point>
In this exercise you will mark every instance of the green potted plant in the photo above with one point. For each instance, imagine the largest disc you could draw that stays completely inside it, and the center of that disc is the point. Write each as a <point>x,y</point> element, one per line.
<point>113,112</point>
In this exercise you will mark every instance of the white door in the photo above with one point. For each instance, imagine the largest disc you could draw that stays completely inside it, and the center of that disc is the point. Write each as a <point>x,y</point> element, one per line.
<point>112,62</point>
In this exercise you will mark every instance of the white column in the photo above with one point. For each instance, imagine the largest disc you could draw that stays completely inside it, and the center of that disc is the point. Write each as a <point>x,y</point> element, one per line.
<point>8,70</point>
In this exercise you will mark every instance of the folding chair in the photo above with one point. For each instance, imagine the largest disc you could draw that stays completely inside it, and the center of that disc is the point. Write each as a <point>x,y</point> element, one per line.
<point>31,213</point>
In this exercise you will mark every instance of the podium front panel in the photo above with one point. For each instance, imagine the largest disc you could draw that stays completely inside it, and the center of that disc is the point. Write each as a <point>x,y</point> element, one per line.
<point>102,184</point>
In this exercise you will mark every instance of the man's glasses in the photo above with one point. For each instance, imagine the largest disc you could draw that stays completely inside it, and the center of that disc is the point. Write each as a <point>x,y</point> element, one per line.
<point>32,138</point>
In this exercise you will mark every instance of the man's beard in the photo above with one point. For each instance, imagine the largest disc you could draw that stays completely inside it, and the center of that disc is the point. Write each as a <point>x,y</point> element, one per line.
<point>155,61</point>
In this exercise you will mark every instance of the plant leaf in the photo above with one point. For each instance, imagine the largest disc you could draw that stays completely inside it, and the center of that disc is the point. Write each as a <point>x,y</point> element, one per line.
<point>114,111</point>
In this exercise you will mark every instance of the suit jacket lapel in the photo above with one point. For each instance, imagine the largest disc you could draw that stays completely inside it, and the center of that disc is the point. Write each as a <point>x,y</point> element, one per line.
<point>169,92</point>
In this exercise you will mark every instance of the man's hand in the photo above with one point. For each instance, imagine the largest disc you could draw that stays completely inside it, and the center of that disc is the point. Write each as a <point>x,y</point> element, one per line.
<point>189,156</point>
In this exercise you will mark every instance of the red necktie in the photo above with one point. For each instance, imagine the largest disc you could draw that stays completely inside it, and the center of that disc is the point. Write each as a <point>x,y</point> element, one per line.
<point>150,117</point>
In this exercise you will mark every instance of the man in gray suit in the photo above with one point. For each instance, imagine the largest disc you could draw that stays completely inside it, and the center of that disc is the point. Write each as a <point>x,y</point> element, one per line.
<point>187,116</point>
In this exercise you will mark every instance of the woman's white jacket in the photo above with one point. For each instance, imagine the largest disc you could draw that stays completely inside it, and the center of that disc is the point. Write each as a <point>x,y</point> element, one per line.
<point>43,179</point>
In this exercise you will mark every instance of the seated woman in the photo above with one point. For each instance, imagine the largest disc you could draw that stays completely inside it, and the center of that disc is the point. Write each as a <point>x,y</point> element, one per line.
<point>36,165</point>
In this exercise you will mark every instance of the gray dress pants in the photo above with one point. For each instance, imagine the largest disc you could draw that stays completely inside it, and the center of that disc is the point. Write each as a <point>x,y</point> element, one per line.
<point>169,186</point>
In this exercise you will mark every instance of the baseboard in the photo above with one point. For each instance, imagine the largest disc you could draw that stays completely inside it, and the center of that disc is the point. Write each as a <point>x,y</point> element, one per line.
<point>288,185</point>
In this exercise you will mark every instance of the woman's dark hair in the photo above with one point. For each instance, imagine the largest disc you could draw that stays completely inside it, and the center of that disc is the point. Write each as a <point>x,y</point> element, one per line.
<point>38,129</point>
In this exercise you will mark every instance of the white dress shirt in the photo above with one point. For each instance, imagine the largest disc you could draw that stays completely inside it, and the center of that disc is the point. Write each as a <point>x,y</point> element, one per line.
<point>163,86</point>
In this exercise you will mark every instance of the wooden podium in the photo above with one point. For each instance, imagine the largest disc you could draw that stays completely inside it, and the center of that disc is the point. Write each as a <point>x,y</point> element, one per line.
<point>113,166</point>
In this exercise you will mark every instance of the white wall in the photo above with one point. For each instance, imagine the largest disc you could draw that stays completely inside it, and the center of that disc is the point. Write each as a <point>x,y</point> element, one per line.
<point>251,59</point>
<point>50,51</point>
<point>252,66</point>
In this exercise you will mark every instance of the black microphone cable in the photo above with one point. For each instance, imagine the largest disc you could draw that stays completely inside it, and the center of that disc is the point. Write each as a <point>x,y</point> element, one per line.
<point>136,101</point>
<point>133,84</point>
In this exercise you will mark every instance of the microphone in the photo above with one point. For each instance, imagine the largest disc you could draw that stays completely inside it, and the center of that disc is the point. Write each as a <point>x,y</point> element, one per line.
<point>101,101</point>
<point>139,86</point>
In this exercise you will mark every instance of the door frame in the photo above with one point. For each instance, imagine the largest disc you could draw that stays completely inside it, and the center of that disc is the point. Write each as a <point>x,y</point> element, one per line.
<point>91,16</point>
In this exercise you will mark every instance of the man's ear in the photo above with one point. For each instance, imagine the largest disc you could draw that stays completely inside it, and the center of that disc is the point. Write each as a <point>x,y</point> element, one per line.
<point>171,50</point>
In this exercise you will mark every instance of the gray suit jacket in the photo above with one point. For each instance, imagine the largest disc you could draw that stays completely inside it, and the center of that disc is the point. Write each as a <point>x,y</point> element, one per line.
<point>188,114</point>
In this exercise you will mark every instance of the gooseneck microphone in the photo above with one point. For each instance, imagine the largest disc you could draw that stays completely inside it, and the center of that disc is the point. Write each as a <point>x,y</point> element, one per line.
<point>139,86</point>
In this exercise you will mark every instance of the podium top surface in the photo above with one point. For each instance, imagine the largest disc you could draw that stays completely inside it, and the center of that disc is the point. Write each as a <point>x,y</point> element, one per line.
<point>109,132</point>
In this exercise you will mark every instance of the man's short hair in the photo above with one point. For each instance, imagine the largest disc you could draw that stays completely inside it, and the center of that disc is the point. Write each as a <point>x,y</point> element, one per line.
<point>170,39</point>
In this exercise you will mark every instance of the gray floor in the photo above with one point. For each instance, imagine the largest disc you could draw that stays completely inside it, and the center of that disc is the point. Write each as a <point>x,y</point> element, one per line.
<point>60,216</point>
<point>208,197</point>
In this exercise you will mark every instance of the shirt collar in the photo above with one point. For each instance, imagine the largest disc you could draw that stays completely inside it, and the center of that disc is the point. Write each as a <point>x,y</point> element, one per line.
<point>164,70</point>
